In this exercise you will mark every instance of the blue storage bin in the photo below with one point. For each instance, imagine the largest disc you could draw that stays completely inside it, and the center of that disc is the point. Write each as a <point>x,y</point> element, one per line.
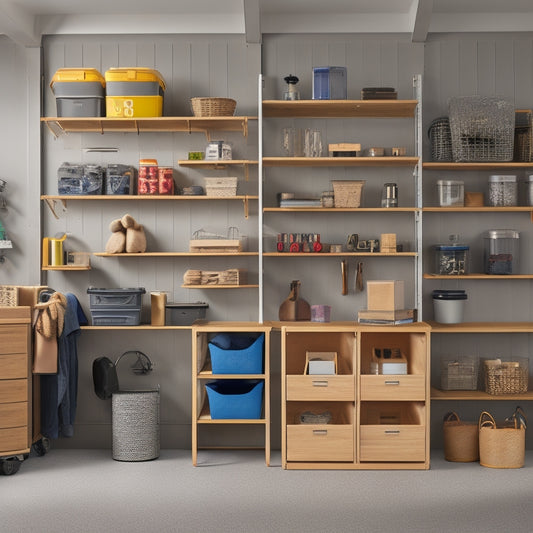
<point>235,399</point>
<point>228,356</point>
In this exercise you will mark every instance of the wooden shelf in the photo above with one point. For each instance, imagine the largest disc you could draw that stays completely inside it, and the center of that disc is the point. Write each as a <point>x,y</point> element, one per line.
<point>437,394</point>
<point>339,108</point>
<point>215,164</point>
<point>205,418</point>
<point>339,254</point>
<point>475,166</point>
<point>60,125</point>
<point>481,209</point>
<point>178,254</point>
<point>220,286</point>
<point>67,268</point>
<point>482,327</point>
<point>143,327</point>
<point>502,277</point>
<point>341,209</point>
<point>340,161</point>
<point>144,197</point>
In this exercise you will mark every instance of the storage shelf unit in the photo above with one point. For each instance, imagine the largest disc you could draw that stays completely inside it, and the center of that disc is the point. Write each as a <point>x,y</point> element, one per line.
<point>202,373</point>
<point>377,421</point>
<point>340,161</point>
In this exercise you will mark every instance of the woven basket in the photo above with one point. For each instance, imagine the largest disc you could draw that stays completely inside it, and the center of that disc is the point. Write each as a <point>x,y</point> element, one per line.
<point>461,439</point>
<point>213,107</point>
<point>501,446</point>
<point>9,296</point>
<point>221,187</point>
<point>506,377</point>
<point>440,137</point>
<point>347,193</point>
<point>523,136</point>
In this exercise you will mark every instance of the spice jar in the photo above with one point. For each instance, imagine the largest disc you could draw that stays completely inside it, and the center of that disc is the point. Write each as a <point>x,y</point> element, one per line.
<point>327,199</point>
<point>503,191</point>
<point>148,182</point>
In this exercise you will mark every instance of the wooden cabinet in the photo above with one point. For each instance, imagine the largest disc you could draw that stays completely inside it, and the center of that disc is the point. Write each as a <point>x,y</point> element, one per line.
<point>202,374</point>
<point>15,381</point>
<point>354,419</point>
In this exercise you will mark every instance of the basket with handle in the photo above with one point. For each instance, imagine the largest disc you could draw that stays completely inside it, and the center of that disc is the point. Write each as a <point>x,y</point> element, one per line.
<point>8,296</point>
<point>213,107</point>
<point>502,445</point>
<point>461,439</point>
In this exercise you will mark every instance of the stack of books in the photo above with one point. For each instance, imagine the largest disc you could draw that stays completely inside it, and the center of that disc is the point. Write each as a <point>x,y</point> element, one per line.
<point>398,316</point>
<point>379,93</point>
<point>300,202</point>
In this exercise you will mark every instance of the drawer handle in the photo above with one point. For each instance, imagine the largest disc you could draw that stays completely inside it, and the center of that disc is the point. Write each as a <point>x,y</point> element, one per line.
<point>392,382</point>
<point>320,431</point>
<point>392,432</point>
<point>321,383</point>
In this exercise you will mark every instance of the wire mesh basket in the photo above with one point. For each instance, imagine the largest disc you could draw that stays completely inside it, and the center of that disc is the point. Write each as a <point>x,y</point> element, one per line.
<point>440,137</point>
<point>482,128</point>
<point>523,143</point>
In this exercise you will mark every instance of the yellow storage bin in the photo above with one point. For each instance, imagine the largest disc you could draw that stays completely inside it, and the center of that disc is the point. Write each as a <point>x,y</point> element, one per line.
<point>134,92</point>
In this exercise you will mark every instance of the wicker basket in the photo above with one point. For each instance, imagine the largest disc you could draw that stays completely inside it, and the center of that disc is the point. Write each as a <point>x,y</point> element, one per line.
<point>523,133</point>
<point>9,296</point>
<point>213,107</point>
<point>461,439</point>
<point>506,377</point>
<point>482,128</point>
<point>347,193</point>
<point>501,446</point>
<point>440,137</point>
<point>221,187</point>
<point>459,374</point>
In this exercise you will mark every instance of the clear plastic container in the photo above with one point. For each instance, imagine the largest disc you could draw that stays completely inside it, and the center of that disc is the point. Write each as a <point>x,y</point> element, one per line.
<point>501,251</point>
<point>530,190</point>
<point>451,193</point>
<point>451,259</point>
<point>503,191</point>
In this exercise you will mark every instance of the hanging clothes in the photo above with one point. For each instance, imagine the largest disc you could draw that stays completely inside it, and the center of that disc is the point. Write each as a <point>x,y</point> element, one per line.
<point>59,391</point>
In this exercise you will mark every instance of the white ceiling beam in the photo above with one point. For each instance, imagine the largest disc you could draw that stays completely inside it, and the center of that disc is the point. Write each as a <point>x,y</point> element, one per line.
<point>252,21</point>
<point>421,11</point>
<point>18,25</point>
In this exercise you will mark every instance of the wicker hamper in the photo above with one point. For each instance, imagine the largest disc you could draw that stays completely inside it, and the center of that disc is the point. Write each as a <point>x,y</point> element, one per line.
<point>482,128</point>
<point>461,439</point>
<point>501,445</point>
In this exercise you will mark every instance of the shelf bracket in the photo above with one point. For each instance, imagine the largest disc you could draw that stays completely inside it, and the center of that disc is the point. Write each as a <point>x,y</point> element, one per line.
<point>245,127</point>
<point>246,206</point>
<point>52,131</point>
<point>52,204</point>
<point>531,216</point>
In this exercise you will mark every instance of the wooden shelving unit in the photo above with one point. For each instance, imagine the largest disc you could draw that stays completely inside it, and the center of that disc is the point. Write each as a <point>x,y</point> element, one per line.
<point>253,286</point>
<point>340,254</point>
<point>476,166</point>
<point>479,276</point>
<point>340,161</point>
<point>68,268</point>
<point>340,209</point>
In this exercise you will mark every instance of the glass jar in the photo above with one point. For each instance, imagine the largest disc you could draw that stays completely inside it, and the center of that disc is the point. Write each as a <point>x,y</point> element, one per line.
<point>451,259</point>
<point>451,193</point>
<point>501,251</point>
<point>503,191</point>
<point>327,199</point>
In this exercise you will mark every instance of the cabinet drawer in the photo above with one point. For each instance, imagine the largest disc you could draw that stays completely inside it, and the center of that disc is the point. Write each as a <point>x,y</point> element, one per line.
<point>13,390</point>
<point>13,366</point>
<point>310,442</point>
<point>410,387</point>
<point>13,439</point>
<point>13,415</point>
<point>13,339</point>
<point>309,388</point>
<point>393,443</point>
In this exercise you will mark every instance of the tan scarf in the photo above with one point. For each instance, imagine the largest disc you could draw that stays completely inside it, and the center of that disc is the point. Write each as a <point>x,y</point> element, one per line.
<point>51,316</point>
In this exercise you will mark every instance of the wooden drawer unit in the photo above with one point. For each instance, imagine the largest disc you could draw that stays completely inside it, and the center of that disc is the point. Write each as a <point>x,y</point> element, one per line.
<point>310,388</point>
<point>13,390</point>
<point>12,439</point>
<point>13,366</point>
<point>393,387</point>
<point>13,339</point>
<point>13,415</point>
<point>392,443</point>
<point>310,442</point>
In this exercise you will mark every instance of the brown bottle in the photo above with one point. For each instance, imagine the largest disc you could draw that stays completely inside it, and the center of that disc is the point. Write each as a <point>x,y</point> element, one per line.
<point>294,307</point>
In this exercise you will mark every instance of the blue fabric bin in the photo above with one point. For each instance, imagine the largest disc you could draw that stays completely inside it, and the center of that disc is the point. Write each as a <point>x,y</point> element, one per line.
<point>233,354</point>
<point>235,399</point>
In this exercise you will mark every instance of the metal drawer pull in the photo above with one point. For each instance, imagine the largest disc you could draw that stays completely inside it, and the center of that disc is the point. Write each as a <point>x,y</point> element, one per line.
<point>320,431</point>
<point>392,432</point>
<point>323,383</point>
<point>392,382</point>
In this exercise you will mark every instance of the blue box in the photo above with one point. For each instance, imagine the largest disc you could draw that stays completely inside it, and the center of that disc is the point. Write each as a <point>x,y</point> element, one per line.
<point>232,354</point>
<point>329,83</point>
<point>235,399</point>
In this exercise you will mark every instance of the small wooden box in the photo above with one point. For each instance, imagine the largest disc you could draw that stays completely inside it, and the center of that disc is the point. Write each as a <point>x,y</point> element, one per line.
<point>387,295</point>
<point>320,363</point>
<point>388,243</point>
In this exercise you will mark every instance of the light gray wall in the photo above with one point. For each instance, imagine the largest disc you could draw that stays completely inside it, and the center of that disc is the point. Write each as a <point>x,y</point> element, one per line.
<point>451,65</point>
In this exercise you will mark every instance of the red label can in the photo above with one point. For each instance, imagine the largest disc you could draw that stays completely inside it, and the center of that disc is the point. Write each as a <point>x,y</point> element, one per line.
<point>166,180</point>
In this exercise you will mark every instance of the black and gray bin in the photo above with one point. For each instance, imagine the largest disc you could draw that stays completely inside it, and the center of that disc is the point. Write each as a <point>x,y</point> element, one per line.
<point>135,413</point>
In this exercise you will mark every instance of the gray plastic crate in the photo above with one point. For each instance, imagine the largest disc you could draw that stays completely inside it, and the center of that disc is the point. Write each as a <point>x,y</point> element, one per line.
<point>117,299</point>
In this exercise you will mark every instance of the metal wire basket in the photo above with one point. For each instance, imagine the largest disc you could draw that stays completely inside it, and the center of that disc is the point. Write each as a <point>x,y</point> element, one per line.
<point>440,137</point>
<point>482,128</point>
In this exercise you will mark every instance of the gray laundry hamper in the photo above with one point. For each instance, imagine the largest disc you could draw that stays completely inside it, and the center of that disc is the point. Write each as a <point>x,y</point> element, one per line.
<point>135,413</point>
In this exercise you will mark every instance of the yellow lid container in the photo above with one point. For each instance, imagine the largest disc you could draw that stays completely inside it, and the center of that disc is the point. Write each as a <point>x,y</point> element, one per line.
<point>77,75</point>
<point>134,74</point>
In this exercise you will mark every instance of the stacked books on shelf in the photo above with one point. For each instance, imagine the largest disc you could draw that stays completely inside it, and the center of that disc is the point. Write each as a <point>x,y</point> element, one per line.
<point>300,202</point>
<point>379,93</point>
<point>387,317</point>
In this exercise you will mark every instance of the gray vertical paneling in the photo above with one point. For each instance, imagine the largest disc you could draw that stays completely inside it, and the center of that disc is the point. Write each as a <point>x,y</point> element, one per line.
<point>486,55</point>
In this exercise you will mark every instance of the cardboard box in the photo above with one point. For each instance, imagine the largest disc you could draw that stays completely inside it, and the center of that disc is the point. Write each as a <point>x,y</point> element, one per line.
<point>386,295</point>
<point>320,363</point>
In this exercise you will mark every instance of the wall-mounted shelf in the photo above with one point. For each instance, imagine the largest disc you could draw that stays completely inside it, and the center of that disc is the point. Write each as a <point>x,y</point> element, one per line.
<point>340,161</point>
<point>482,327</point>
<point>340,209</point>
<point>437,394</point>
<point>143,327</point>
<point>479,276</point>
<point>61,125</point>
<point>220,286</point>
<point>67,268</point>
<point>178,254</point>
<point>481,209</point>
<point>475,166</point>
<point>339,254</point>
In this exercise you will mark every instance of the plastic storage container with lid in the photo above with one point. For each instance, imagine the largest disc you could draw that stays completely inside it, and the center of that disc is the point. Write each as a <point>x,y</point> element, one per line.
<point>452,258</point>
<point>448,305</point>
<point>501,251</point>
<point>451,193</point>
<point>503,191</point>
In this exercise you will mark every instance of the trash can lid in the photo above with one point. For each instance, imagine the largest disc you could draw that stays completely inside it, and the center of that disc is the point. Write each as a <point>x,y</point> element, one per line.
<point>456,294</point>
